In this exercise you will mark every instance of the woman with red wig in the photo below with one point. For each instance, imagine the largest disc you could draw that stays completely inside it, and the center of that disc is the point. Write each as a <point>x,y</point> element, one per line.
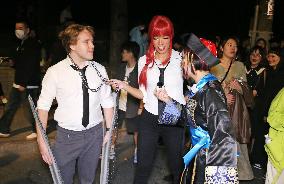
<point>159,69</point>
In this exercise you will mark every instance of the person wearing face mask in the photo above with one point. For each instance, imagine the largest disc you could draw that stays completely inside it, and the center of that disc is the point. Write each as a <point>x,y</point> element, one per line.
<point>26,59</point>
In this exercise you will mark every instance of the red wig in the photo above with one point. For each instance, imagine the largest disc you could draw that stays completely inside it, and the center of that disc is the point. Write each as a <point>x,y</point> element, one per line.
<point>159,26</point>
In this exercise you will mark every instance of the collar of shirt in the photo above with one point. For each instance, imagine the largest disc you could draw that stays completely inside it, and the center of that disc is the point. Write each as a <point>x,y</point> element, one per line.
<point>69,62</point>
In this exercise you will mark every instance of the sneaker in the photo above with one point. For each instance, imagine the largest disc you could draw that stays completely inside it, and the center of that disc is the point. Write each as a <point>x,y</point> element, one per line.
<point>4,135</point>
<point>31,136</point>
<point>4,100</point>
<point>257,166</point>
<point>135,156</point>
<point>111,152</point>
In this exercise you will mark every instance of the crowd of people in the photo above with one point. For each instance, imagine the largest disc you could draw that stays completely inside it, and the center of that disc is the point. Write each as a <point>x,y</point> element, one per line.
<point>168,86</point>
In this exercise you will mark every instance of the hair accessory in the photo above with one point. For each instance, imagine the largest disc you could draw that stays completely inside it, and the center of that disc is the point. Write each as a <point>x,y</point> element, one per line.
<point>204,49</point>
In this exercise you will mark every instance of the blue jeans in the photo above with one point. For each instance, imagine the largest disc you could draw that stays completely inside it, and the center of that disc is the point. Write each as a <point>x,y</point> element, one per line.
<point>16,98</point>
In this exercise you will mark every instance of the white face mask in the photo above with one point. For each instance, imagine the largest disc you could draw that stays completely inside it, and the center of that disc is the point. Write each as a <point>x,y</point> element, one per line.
<point>20,34</point>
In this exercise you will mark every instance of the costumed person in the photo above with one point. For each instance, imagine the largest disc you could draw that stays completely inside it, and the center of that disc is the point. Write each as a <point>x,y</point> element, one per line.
<point>231,73</point>
<point>159,69</point>
<point>274,141</point>
<point>78,85</point>
<point>208,118</point>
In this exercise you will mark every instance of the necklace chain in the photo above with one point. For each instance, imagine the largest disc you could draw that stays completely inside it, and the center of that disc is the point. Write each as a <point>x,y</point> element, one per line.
<point>84,79</point>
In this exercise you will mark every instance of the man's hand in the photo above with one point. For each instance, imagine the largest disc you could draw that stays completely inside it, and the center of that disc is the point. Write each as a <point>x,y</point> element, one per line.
<point>21,88</point>
<point>254,93</point>
<point>11,63</point>
<point>107,137</point>
<point>139,112</point>
<point>44,151</point>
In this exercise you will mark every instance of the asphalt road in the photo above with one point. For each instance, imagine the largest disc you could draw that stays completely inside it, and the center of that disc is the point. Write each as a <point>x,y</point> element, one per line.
<point>20,162</point>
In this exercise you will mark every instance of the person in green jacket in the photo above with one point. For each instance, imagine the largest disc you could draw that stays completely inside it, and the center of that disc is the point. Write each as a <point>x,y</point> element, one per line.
<point>275,141</point>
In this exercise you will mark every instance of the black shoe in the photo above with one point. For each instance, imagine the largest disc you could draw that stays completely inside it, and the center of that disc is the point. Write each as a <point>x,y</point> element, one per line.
<point>169,178</point>
<point>160,141</point>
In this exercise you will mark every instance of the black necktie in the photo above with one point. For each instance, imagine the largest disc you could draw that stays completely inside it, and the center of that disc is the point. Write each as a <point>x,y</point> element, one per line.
<point>161,104</point>
<point>85,119</point>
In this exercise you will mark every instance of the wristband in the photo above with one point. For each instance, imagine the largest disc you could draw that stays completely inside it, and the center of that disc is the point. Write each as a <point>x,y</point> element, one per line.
<point>107,129</point>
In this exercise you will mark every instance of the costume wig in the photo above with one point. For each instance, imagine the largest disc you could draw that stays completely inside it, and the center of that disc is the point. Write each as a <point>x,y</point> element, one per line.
<point>159,26</point>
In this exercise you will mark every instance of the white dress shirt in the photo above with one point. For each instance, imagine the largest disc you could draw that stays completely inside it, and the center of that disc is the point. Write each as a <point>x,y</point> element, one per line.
<point>173,82</point>
<point>64,83</point>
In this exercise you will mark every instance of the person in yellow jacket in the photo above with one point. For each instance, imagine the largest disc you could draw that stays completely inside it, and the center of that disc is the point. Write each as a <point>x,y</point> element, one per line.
<point>275,141</point>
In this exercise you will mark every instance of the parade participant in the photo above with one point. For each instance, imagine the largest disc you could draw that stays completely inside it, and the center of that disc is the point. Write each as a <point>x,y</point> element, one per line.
<point>78,85</point>
<point>159,69</point>
<point>208,119</point>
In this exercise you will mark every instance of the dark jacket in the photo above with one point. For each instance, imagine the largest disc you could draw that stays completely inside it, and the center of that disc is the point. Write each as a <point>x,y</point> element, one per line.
<point>132,103</point>
<point>27,63</point>
<point>274,83</point>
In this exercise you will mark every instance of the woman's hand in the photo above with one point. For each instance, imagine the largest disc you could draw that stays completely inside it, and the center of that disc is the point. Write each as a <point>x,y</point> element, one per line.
<point>254,93</point>
<point>162,94</point>
<point>230,99</point>
<point>139,112</point>
<point>234,84</point>
<point>116,84</point>
<point>185,62</point>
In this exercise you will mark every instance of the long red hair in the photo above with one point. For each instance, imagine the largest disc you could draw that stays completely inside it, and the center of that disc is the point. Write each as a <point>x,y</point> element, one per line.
<point>159,26</point>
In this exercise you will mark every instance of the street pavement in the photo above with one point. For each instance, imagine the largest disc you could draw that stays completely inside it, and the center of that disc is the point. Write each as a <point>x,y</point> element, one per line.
<point>21,163</point>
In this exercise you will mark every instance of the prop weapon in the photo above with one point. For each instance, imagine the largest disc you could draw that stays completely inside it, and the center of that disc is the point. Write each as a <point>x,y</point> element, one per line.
<point>104,177</point>
<point>54,170</point>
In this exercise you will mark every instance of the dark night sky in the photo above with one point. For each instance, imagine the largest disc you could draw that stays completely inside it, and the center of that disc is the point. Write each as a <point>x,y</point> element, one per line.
<point>205,18</point>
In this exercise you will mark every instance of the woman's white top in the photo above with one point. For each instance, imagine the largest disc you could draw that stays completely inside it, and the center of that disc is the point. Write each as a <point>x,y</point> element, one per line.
<point>173,81</point>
